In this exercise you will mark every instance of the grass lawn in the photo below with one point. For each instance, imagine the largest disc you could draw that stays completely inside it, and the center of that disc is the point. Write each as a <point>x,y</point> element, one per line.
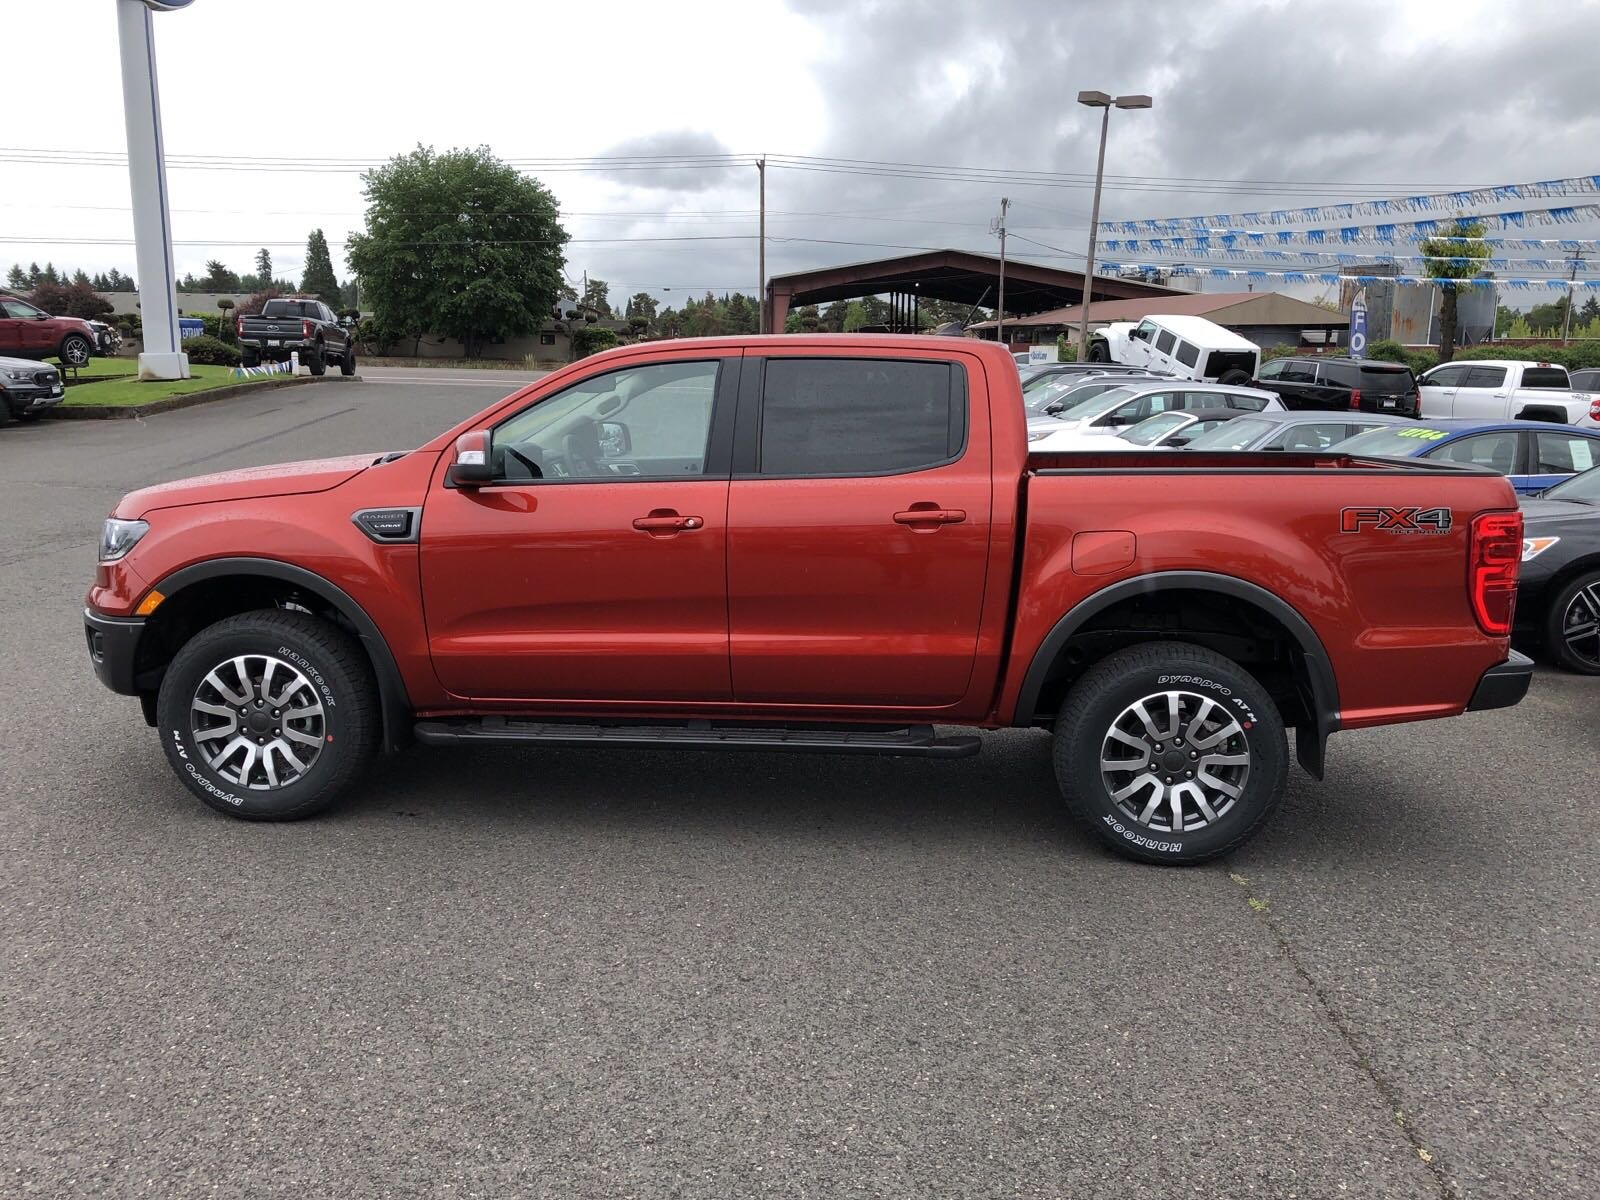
<point>128,392</point>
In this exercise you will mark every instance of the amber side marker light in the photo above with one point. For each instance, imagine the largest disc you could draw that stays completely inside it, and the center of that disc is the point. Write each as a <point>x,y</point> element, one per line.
<point>149,604</point>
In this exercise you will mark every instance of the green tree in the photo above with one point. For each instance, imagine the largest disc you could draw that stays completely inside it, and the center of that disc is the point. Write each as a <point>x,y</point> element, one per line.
<point>264,266</point>
<point>855,316</point>
<point>458,244</point>
<point>218,278</point>
<point>641,304</point>
<point>1450,260</point>
<point>597,297</point>
<point>319,279</point>
<point>804,319</point>
<point>1589,311</point>
<point>17,277</point>
<point>70,300</point>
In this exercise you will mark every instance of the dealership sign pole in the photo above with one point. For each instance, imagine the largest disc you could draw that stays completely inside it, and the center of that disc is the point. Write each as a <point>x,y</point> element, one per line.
<point>163,356</point>
<point>1358,325</point>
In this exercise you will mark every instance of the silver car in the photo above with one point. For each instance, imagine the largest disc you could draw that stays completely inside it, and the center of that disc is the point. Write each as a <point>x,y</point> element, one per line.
<point>1305,430</point>
<point>1110,411</point>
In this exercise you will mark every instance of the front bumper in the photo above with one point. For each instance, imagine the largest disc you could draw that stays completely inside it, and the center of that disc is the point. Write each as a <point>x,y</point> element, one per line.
<point>32,399</point>
<point>113,646</point>
<point>1503,684</point>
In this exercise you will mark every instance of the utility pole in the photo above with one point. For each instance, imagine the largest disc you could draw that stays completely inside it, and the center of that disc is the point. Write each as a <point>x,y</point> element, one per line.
<point>999,226</point>
<point>1566,322</point>
<point>761,283</point>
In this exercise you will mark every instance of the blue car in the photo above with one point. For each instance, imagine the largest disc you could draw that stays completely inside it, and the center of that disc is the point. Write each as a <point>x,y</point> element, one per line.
<point>1533,454</point>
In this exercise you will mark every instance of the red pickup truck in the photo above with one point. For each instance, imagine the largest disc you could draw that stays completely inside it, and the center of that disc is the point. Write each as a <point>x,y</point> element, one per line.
<point>807,543</point>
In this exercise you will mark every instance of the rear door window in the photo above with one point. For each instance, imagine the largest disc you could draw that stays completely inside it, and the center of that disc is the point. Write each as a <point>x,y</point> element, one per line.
<point>1564,453</point>
<point>1164,341</point>
<point>1546,377</point>
<point>860,416</point>
<point>1485,377</point>
<point>1299,371</point>
<point>1497,451</point>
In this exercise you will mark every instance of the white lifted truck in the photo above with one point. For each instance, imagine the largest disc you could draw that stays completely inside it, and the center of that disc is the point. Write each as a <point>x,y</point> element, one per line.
<point>1184,347</point>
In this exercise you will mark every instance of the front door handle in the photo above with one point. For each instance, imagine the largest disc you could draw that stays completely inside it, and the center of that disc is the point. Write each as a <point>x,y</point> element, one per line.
<point>665,523</point>
<point>929,515</point>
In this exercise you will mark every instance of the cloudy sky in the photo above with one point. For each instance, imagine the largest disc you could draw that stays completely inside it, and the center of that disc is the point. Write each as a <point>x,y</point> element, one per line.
<point>1256,105</point>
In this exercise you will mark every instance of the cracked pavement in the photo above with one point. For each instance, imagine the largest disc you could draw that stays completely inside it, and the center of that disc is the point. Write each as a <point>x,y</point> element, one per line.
<point>645,973</point>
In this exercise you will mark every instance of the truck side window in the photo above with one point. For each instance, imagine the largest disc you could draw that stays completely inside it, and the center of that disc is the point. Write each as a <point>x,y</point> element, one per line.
<point>860,416</point>
<point>1485,377</point>
<point>1445,377</point>
<point>1188,355</point>
<point>1164,341</point>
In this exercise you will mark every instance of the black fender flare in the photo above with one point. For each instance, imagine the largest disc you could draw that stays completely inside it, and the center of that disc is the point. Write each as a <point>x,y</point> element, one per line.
<point>394,702</point>
<point>1310,744</point>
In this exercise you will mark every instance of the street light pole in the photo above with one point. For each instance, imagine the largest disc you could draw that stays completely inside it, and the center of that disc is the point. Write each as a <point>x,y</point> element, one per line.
<point>1104,103</point>
<point>1000,309</point>
<point>761,291</point>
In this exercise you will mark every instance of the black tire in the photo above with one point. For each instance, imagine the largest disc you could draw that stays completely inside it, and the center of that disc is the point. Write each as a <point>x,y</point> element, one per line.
<point>1099,352</point>
<point>1235,377</point>
<point>317,363</point>
<point>28,418</point>
<point>75,350</point>
<point>250,358</point>
<point>1104,697</point>
<point>1576,606</point>
<point>347,364</point>
<point>336,675</point>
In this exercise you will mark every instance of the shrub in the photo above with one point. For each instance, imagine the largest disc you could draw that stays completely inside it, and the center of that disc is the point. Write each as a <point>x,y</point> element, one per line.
<point>587,340</point>
<point>209,351</point>
<point>70,300</point>
<point>1065,350</point>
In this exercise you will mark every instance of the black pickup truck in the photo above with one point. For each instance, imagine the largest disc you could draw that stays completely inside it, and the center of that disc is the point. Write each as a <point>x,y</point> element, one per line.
<point>288,324</point>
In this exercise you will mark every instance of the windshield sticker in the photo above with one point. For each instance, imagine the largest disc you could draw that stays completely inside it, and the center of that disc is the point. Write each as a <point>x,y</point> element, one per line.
<point>1422,435</point>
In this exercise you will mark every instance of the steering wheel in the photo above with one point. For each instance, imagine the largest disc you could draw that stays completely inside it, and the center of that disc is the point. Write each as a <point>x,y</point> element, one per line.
<point>535,471</point>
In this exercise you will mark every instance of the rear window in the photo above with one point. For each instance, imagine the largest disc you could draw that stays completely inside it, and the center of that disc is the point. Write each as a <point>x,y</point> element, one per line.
<point>860,416</point>
<point>1545,377</point>
<point>1233,435</point>
<point>1188,355</point>
<point>1165,340</point>
<point>1393,441</point>
<point>1387,381</point>
<point>290,308</point>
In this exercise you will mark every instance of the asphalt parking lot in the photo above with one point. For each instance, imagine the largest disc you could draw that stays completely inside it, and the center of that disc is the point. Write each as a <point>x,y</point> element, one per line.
<point>560,973</point>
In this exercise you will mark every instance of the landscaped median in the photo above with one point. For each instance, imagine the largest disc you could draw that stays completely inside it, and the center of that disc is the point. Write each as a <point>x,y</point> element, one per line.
<point>107,393</point>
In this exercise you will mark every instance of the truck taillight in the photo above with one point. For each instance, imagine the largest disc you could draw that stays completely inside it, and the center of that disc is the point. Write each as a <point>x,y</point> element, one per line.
<point>238,326</point>
<point>1355,397</point>
<point>1496,560</point>
<point>305,330</point>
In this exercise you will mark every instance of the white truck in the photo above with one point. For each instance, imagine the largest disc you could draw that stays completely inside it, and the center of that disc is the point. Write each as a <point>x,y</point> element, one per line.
<point>1183,347</point>
<point>1503,389</point>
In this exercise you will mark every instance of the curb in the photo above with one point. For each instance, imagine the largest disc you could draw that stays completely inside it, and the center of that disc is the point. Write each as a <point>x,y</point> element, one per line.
<point>122,412</point>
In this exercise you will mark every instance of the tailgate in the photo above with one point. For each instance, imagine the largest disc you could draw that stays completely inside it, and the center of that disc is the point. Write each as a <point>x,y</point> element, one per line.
<point>273,327</point>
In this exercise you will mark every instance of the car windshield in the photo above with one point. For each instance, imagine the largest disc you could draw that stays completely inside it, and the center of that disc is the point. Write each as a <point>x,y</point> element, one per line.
<point>1231,435</point>
<point>1391,441</point>
<point>1584,488</point>
<point>1148,432</point>
<point>1090,400</point>
<point>1070,390</point>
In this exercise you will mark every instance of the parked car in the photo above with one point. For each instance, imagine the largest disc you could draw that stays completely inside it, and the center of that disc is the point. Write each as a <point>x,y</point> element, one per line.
<point>1039,374</point>
<point>1112,410</point>
<point>602,559</point>
<point>1532,454</point>
<point>1359,384</point>
<point>1558,598</point>
<point>289,325</point>
<point>1586,380</point>
<point>1058,392</point>
<point>1503,390</point>
<point>1185,347</point>
<point>27,331</point>
<point>1165,431</point>
<point>27,388</point>
<point>1291,431</point>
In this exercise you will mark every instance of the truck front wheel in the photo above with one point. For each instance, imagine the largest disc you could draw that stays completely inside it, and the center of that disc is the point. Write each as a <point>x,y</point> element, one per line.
<point>1170,753</point>
<point>250,357</point>
<point>269,715</point>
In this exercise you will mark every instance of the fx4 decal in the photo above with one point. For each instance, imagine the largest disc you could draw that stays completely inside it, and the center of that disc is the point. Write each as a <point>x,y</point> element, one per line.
<point>1394,520</point>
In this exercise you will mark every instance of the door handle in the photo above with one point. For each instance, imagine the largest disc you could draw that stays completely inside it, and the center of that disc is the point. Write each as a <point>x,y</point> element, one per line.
<point>664,524</point>
<point>931,516</point>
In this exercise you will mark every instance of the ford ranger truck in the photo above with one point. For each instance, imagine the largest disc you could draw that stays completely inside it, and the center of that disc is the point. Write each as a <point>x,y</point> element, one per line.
<point>807,543</point>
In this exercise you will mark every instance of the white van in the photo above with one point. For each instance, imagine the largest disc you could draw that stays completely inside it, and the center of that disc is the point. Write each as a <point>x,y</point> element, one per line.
<point>1184,347</point>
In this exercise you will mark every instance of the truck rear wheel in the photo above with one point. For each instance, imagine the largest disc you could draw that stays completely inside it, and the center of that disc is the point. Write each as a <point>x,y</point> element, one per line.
<point>269,715</point>
<point>250,357</point>
<point>317,363</point>
<point>1236,377</point>
<point>1170,753</point>
<point>1099,352</point>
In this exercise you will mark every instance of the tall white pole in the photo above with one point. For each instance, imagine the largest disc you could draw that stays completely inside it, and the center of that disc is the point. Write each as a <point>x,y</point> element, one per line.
<point>163,356</point>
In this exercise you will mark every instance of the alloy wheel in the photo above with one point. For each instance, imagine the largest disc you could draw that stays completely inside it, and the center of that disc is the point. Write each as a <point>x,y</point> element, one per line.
<point>1580,625</point>
<point>1175,762</point>
<point>258,722</point>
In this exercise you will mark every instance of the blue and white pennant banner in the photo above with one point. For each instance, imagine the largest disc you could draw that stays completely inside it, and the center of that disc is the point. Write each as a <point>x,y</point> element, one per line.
<point>1255,273</point>
<point>1228,237</point>
<point>1315,257</point>
<point>1441,202</point>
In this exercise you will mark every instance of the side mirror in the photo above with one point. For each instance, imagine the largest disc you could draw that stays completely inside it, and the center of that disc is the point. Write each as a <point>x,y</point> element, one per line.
<point>470,468</point>
<point>345,323</point>
<point>41,316</point>
<point>1176,441</point>
<point>615,440</point>
<point>1117,419</point>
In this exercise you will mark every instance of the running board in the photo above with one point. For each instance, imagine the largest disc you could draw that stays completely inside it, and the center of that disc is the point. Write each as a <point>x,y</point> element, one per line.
<point>916,741</point>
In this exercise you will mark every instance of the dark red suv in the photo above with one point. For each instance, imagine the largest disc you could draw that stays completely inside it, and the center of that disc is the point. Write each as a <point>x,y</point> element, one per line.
<point>27,331</point>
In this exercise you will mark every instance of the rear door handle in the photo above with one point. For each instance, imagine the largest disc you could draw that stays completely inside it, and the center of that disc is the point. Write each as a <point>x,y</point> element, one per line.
<point>662,523</point>
<point>931,516</point>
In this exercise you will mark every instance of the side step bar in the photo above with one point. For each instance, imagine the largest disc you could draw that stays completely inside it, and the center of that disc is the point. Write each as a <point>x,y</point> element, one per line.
<point>916,741</point>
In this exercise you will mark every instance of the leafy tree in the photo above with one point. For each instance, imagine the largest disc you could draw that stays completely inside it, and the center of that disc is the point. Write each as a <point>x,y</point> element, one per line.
<point>641,304</point>
<point>588,339</point>
<point>225,327</point>
<point>804,319</point>
<point>1589,312</point>
<point>832,317</point>
<point>264,265</point>
<point>252,305</point>
<point>596,296</point>
<point>17,277</point>
<point>70,300</point>
<point>218,278</point>
<point>855,316</point>
<point>50,275</point>
<point>80,278</point>
<point>116,281</point>
<point>35,275</point>
<point>319,279</point>
<point>459,244</point>
<point>1449,261</point>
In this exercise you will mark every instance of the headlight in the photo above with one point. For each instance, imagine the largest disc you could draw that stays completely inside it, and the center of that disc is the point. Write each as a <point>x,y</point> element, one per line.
<point>1533,547</point>
<point>118,537</point>
<point>19,375</point>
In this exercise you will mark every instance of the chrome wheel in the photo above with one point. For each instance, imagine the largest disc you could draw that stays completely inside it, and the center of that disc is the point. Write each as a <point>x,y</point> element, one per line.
<point>76,351</point>
<point>258,722</point>
<point>1175,762</point>
<point>1580,625</point>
